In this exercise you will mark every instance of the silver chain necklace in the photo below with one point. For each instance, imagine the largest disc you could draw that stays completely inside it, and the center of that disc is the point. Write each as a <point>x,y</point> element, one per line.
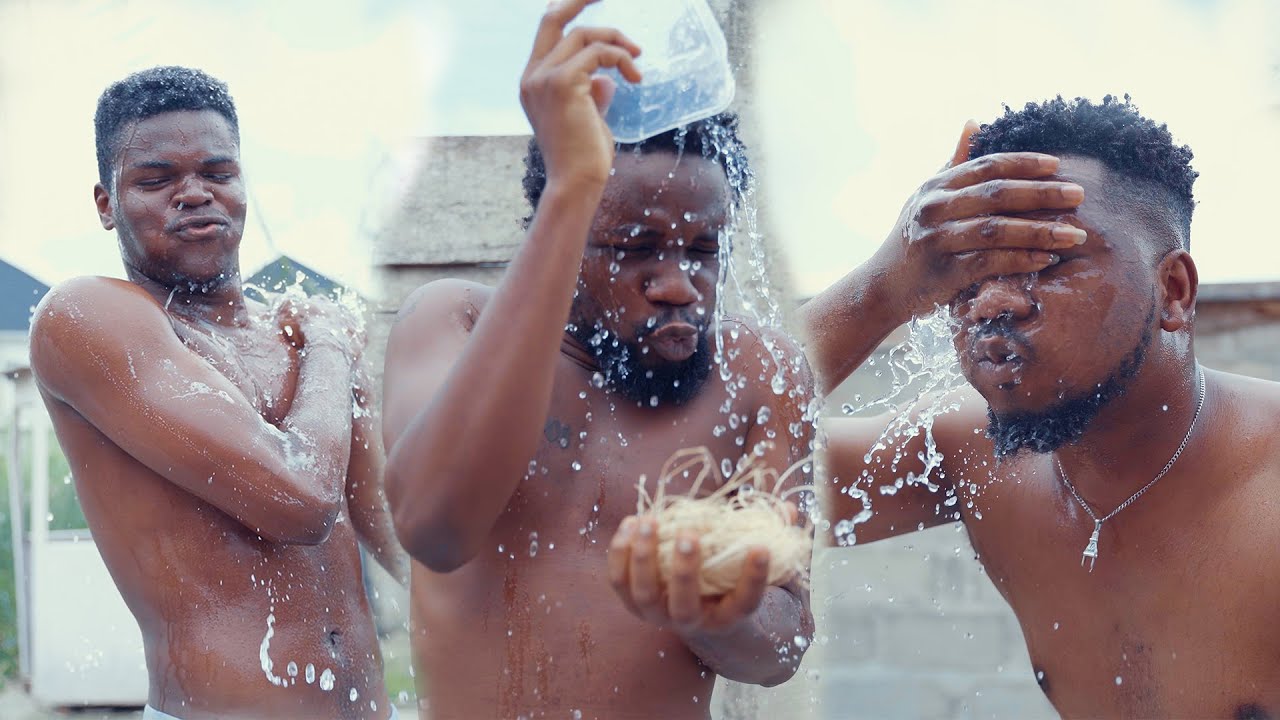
<point>1091,550</point>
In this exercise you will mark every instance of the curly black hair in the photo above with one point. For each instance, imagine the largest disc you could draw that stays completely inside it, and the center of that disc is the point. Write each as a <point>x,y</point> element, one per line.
<point>1112,132</point>
<point>152,92</point>
<point>715,138</point>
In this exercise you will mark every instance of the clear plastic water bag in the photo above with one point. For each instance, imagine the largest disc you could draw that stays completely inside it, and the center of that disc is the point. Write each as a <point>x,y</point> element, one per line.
<point>684,60</point>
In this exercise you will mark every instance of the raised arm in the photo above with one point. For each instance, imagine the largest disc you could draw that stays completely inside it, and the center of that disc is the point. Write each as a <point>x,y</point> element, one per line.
<point>465,405</point>
<point>887,481</point>
<point>366,497</point>
<point>953,232</point>
<point>107,350</point>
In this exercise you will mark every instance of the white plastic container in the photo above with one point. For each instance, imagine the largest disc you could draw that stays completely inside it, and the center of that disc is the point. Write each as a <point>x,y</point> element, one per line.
<point>684,60</point>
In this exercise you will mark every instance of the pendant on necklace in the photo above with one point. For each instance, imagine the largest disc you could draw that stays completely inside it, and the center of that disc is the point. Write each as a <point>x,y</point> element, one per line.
<point>1091,550</point>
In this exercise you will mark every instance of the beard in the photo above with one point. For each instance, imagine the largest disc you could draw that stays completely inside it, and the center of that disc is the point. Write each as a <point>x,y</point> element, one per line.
<point>621,363</point>
<point>1047,430</point>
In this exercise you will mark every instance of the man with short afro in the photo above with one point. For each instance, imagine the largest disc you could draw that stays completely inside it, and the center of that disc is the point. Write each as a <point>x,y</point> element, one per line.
<point>1118,494</point>
<point>223,449</point>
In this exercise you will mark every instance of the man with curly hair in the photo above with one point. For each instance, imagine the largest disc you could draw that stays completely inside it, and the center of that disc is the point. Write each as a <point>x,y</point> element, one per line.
<point>519,419</point>
<point>1119,495</point>
<point>223,450</point>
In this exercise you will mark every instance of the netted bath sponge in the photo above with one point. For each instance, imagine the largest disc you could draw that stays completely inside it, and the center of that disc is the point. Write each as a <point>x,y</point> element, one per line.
<point>746,510</point>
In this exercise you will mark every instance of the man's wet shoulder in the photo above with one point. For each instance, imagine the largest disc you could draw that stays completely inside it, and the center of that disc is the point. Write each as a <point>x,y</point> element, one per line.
<point>452,298</point>
<point>90,304</point>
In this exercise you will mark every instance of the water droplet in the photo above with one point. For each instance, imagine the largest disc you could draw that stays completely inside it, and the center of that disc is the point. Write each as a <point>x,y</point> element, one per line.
<point>779,384</point>
<point>292,669</point>
<point>533,544</point>
<point>353,695</point>
<point>310,673</point>
<point>326,680</point>
<point>1119,680</point>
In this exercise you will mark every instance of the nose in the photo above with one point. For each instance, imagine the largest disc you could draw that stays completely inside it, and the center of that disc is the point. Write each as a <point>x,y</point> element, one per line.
<point>1002,297</point>
<point>191,192</point>
<point>670,285</point>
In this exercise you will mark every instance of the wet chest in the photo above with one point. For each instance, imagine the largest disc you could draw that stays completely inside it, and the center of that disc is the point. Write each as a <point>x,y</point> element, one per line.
<point>257,361</point>
<point>1162,625</point>
<point>597,448</point>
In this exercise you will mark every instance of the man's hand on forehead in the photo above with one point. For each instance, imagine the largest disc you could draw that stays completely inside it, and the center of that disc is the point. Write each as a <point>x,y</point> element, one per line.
<point>960,226</point>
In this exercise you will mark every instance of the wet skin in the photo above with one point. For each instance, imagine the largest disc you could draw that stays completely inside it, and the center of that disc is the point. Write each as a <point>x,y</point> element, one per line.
<point>515,631</point>
<point>184,428</point>
<point>1175,619</point>
<point>481,381</point>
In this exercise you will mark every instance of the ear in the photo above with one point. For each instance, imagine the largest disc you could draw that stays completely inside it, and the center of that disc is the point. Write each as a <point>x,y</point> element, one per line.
<point>102,199</point>
<point>1179,282</point>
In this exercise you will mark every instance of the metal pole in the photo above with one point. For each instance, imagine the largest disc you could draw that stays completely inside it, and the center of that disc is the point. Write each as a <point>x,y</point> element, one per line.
<point>20,578</point>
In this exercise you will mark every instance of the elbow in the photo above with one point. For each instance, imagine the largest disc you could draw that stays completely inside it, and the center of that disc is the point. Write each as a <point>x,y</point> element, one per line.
<point>302,525</point>
<point>437,544</point>
<point>306,522</point>
<point>428,527</point>
<point>785,671</point>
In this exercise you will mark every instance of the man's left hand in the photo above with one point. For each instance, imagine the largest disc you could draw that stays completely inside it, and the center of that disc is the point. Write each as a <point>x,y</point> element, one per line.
<point>679,604</point>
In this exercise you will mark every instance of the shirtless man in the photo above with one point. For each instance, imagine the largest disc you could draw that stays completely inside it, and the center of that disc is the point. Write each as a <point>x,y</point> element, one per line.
<point>513,613</point>
<point>212,439</point>
<point>1155,604</point>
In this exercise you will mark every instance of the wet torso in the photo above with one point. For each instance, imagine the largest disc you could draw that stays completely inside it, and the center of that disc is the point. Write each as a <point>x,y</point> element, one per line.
<point>531,627</point>
<point>233,626</point>
<point>1176,620</point>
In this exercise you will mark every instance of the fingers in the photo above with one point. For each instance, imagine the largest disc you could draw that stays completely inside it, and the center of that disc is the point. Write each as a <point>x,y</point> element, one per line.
<point>684,598</point>
<point>619,558</point>
<point>581,38</point>
<point>602,55</point>
<point>1002,197</point>
<point>602,90</point>
<point>644,582</point>
<point>746,595</point>
<point>1013,165</point>
<point>978,266</point>
<point>998,232</point>
<point>551,28</point>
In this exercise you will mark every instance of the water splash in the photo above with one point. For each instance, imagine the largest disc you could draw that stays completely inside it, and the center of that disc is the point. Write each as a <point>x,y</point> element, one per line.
<point>925,374</point>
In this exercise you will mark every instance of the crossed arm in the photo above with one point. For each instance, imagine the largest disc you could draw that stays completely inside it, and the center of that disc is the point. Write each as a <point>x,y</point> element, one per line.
<point>106,349</point>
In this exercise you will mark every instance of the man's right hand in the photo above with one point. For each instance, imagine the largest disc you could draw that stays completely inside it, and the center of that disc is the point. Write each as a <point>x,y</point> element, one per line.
<point>318,321</point>
<point>565,101</point>
<point>955,230</point>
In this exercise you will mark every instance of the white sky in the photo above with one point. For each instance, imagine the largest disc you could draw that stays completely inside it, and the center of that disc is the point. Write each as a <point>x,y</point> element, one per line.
<point>859,102</point>
<point>324,97</point>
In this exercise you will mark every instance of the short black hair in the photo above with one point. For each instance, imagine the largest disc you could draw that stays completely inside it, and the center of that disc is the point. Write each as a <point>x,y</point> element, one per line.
<point>1112,132</point>
<point>715,138</point>
<point>152,92</point>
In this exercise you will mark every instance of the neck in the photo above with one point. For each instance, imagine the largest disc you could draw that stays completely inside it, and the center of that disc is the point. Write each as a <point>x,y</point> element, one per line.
<point>579,353</point>
<point>218,302</point>
<point>1132,439</point>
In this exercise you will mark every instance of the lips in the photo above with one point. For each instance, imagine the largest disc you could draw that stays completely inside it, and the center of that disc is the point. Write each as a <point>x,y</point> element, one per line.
<point>199,227</point>
<point>997,360</point>
<point>674,341</point>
